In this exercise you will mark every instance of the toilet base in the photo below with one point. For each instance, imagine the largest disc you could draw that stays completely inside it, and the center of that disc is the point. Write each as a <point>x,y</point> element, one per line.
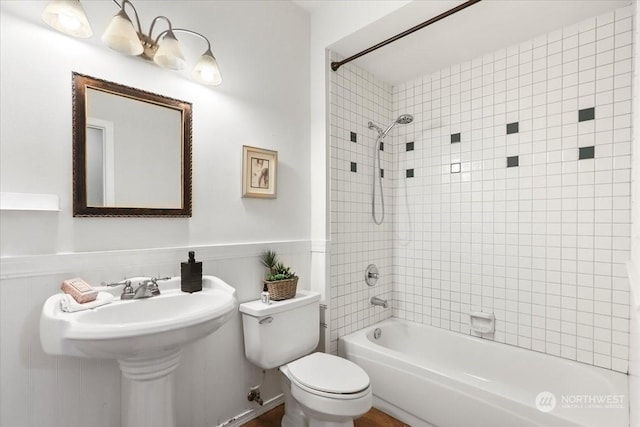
<point>287,421</point>
<point>293,415</point>
<point>298,415</point>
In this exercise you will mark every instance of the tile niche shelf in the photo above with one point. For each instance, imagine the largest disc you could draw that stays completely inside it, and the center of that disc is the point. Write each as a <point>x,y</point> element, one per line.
<point>29,202</point>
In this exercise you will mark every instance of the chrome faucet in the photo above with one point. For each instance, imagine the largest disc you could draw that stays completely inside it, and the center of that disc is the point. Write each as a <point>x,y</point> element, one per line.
<point>379,301</point>
<point>143,291</point>
<point>127,291</point>
<point>148,288</point>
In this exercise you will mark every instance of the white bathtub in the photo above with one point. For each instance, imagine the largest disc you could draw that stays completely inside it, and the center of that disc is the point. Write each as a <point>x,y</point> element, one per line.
<point>427,376</point>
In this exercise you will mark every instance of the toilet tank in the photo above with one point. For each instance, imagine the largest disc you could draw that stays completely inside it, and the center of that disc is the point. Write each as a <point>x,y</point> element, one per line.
<point>282,331</point>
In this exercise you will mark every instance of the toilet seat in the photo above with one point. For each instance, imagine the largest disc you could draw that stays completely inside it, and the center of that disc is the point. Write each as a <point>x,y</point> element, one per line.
<point>329,376</point>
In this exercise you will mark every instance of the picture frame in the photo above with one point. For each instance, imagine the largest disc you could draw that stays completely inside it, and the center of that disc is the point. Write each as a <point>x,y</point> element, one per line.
<point>259,172</point>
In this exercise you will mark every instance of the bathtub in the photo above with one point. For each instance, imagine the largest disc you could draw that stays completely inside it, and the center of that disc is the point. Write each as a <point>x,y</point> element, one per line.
<point>427,376</point>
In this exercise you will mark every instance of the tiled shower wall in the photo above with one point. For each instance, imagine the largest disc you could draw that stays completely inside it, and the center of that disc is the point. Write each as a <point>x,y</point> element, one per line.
<point>520,204</point>
<point>541,243</point>
<point>357,97</point>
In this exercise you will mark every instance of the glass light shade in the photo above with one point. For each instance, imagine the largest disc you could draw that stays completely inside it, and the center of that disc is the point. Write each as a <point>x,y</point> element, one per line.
<point>68,17</point>
<point>206,70</point>
<point>168,54</point>
<point>121,36</point>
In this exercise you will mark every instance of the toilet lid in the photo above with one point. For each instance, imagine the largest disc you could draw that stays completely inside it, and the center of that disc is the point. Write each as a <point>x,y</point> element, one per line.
<point>328,373</point>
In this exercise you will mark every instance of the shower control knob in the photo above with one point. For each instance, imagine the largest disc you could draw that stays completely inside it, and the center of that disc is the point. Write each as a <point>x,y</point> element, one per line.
<point>371,275</point>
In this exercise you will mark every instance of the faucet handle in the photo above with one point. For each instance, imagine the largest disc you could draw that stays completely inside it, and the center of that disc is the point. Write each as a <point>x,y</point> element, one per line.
<point>371,275</point>
<point>114,284</point>
<point>127,291</point>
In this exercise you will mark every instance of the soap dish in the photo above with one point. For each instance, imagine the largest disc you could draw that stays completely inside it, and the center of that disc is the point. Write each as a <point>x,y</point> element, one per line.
<point>482,323</point>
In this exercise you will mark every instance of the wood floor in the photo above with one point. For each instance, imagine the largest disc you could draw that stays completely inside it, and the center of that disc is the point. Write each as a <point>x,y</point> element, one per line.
<point>373,418</point>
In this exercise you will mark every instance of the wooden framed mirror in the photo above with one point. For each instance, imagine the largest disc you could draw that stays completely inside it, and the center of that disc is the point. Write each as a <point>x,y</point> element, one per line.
<point>131,151</point>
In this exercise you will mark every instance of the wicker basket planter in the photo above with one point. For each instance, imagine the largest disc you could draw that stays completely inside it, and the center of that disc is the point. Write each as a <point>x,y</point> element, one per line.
<point>282,289</point>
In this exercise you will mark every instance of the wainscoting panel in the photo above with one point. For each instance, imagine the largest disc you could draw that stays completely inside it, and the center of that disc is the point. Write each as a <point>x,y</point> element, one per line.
<point>212,381</point>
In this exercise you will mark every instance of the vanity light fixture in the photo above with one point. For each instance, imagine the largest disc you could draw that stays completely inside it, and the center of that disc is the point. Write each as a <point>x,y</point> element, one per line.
<point>68,17</point>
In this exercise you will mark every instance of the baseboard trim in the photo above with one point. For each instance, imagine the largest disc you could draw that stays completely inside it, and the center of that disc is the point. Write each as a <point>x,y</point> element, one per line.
<point>249,415</point>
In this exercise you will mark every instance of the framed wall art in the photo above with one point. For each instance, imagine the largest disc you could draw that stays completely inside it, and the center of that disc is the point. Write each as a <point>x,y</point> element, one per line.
<point>259,171</point>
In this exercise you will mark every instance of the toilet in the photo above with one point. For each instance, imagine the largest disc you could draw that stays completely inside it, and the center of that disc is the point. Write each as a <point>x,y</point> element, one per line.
<point>320,390</point>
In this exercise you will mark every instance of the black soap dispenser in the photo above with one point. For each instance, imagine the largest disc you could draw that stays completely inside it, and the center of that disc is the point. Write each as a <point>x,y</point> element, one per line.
<point>191,274</point>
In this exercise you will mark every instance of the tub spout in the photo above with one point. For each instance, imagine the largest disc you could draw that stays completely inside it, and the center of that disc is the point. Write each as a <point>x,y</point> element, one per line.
<point>379,301</point>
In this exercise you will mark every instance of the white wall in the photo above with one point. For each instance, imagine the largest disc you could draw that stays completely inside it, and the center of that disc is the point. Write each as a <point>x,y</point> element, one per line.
<point>264,101</point>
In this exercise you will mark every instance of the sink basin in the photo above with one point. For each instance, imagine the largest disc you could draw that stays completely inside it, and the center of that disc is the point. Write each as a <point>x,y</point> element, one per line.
<point>146,336</point>
<point>138,328</point>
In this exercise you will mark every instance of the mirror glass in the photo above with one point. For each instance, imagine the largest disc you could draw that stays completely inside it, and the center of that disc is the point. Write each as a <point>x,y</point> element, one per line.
<point>132,151</point>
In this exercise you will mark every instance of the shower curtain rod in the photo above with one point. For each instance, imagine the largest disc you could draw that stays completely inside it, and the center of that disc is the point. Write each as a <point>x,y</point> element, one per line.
<point>338,64</point>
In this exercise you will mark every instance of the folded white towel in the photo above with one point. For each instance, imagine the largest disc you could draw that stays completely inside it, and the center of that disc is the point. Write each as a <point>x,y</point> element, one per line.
<point>70,305</point>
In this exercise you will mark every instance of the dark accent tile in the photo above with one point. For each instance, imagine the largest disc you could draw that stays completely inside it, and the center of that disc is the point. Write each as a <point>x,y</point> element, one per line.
<point>381,173</point>
<point>409,173</point>
<point>455,168</point>
<point>381,146</point>
<point>586,114</point>
<point>455,137</point>
<point>354,167</point>
<point>354,137</point>
<point>409,146</point>
<point>513,128</point>
<point>587,153</point>
<point>513,161</point>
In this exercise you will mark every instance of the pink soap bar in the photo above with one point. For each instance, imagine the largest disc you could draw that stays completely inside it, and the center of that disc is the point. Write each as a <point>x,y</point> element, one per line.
<point>80,290</point>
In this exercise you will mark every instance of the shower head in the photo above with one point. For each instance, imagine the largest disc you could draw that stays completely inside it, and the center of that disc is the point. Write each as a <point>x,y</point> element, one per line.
<point>404,119</point>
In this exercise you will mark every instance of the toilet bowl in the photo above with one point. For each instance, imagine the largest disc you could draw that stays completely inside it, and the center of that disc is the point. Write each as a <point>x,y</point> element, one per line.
<point>320,390</point>
<point>328,390</point>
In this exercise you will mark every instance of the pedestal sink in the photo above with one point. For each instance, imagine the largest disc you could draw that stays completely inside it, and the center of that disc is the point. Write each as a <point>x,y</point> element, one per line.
<point>146,336</point>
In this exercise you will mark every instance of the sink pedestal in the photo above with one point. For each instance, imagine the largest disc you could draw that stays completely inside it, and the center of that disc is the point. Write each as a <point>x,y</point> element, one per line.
<point>147,390</point>
<point>145,337</point>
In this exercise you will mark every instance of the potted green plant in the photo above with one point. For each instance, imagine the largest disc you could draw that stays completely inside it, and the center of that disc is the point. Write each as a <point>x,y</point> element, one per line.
<point>280,282</point>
